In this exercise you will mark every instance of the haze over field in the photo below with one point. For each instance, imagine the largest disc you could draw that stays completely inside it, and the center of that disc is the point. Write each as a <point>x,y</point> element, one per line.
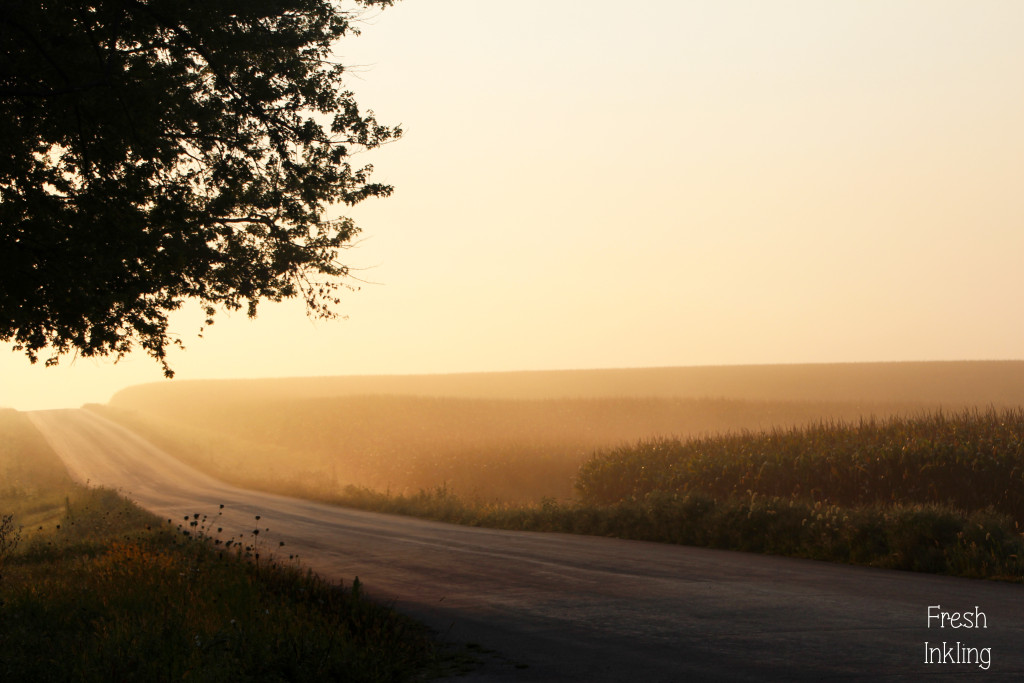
<point>520,436</point>
<point>672,184</point>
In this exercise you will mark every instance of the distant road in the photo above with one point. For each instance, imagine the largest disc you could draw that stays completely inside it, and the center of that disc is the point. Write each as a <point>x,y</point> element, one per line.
<point>556,607</point>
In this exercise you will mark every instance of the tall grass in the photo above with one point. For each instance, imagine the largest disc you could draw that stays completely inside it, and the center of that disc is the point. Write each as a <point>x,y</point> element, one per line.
<point>940,492</point>
<point>971,460</point>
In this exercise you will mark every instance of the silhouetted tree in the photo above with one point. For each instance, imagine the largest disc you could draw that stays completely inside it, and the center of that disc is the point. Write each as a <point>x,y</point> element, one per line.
<point>153,151</point>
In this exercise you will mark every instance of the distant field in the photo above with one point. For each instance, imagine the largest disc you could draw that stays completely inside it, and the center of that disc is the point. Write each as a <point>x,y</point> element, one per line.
<point>950,384</point>
<point>515,437</point>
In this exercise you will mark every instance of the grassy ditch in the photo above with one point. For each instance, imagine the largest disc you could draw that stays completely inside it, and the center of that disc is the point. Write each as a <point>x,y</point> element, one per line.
<point>915,537</point>
<point>92,588</point>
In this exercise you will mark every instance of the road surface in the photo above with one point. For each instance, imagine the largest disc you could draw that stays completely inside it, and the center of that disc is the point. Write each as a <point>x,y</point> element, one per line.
<point>556,607</point>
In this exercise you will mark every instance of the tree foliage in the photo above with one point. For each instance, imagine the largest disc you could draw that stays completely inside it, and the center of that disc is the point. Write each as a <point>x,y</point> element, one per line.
<point>155,151</point>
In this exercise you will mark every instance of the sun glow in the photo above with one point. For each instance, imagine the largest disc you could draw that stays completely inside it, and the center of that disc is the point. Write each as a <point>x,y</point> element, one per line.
<point>691,184</point>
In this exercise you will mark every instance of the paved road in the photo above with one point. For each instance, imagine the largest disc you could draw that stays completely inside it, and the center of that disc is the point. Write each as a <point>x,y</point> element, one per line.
<point>555,607</point>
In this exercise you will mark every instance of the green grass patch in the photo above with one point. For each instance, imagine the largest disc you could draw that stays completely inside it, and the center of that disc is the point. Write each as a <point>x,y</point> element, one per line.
<point>96,589</point>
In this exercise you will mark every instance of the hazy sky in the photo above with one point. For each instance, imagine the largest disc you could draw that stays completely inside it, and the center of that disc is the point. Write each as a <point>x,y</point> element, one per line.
<point>600,184</point>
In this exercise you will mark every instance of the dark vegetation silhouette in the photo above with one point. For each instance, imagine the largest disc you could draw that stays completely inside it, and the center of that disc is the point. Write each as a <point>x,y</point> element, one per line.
<point>159,151</point>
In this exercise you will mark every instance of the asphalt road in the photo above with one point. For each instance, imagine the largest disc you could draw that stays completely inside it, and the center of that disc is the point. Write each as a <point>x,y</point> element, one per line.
<point>555,607</point>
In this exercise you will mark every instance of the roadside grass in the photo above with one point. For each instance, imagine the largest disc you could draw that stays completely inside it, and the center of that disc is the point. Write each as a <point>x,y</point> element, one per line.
<point>939,492</point>
<point>915,537</point>
<point>92,588</point>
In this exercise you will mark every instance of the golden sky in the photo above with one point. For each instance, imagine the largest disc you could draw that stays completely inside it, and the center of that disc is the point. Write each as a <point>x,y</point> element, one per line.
<point>598,184</point>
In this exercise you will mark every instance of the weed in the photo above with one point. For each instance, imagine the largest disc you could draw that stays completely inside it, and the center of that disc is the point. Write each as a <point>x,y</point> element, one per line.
<point>10,536</point>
